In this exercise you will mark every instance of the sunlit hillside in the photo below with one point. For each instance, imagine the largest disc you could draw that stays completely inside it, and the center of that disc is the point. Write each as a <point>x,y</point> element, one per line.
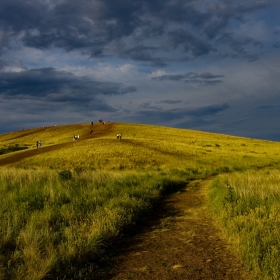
<point>141,147</point>
<point>62,201</point>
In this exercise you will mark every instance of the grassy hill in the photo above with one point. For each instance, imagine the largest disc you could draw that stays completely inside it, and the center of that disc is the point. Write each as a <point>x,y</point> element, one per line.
<point>61,202</point>
<point>142,147</point>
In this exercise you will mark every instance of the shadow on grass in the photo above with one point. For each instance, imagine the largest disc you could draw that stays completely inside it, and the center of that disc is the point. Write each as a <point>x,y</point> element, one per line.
<point>100,265</point>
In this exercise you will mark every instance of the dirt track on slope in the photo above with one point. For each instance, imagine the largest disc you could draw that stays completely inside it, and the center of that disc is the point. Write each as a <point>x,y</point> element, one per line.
<point>180,241</point>
<point>98,130</point>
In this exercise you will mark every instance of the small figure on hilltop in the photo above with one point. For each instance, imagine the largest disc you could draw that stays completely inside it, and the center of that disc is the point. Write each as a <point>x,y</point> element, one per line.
<point>119,136</point>
<point>91,123</point>
<point>38,144</point>
<point>90,132</point>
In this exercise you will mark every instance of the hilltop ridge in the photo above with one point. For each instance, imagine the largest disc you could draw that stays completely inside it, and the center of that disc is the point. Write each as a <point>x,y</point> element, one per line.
<point>145,144</point>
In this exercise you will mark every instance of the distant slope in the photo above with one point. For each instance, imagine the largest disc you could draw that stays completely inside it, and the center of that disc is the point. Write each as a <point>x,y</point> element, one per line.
<point>52,135</point>
<point>143,147</point>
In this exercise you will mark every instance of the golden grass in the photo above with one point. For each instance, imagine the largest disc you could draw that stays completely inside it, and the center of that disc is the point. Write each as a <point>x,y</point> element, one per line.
<point>247,206</point>
<point>142,147</point>
<point>50,221</point>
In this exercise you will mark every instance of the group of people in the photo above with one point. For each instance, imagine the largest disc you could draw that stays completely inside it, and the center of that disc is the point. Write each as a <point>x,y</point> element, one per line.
<point>91,123</point>
<point>102,121</point>
<point>119,135</point>
<point>76,137</point>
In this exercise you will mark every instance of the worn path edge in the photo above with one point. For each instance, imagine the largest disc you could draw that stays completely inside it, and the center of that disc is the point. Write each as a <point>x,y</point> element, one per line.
<point>179,241</point>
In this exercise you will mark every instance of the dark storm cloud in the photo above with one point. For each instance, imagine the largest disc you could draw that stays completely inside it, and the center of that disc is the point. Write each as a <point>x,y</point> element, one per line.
<point>171,101</point>
<point>151,116</point>
<point>188,42</point>
<point>57,86</point>
<point>239,47</point>
<point>145,54</point>
<point>203,79</point>
<point>222,13</point>
<point>92,26</point>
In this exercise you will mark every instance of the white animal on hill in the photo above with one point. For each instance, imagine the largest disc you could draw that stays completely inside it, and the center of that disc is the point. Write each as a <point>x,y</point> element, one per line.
<point>119,136</point>
<point>76,137</point>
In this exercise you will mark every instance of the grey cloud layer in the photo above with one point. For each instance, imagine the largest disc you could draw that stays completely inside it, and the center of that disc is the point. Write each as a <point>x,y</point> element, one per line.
<point>141,30</point>
<point>203,46</point>
<point>150,116</point>
<point>191,77</point>
<point>54,85</point>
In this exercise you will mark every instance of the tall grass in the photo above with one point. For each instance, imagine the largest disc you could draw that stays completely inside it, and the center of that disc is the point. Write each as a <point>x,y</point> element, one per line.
<point>247,205</point>
<point>60,204</point>
<point>49,221</point>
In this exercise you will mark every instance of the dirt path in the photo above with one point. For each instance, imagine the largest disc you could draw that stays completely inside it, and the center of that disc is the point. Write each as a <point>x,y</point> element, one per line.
<point>16,157</point>
<point>179,242</point>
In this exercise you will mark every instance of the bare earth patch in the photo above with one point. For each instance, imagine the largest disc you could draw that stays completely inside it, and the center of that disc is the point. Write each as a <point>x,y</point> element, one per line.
<point>180,241</point>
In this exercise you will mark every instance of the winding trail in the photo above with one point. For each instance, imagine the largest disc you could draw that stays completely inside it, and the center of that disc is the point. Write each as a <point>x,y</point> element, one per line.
<point>181,241</point>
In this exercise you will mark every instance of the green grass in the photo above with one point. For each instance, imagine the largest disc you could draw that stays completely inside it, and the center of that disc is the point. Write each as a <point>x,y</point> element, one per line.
<point>247,206</point>
<point>11,149</point>
<point>50,221</point>
<point>62,203</point>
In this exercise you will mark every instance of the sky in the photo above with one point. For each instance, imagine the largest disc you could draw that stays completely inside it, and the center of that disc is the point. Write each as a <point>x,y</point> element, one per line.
<point>208,65</point>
